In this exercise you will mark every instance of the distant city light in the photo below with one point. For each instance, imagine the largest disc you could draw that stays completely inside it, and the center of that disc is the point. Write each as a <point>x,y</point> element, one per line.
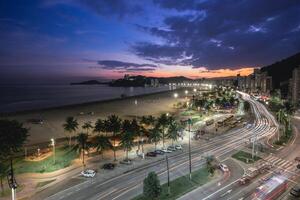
<point>175,95</point>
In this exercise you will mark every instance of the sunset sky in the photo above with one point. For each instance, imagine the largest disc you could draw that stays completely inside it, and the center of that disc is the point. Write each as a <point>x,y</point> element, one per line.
<point>68,40</point>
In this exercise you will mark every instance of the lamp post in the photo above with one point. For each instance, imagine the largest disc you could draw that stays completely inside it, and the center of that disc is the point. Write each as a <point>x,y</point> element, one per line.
<point>12,181</point>
<point>176,96</point>
<point>169,191</point>
<point>190,157</point>
<point>53,145</point>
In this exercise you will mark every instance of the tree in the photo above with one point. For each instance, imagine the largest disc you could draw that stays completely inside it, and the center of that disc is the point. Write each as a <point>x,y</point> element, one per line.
<point>137,131</point>
<point>126,137</point>
<point>209,165</point>
<point>70,126</point>
<point>173,132</point>
<point>152,188</point>
<point>163,121</point>
<point>12,138</point>
<point>4,168</point>
<point>155,135</point>
<point>101,143</point>
<point>99,126</point>
<point>82,145</point>
<point>114,126</point>
<point>87,126</point>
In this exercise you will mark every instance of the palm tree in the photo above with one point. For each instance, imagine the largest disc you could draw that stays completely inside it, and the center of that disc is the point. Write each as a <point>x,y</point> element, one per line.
<point>163,122</point>
<point>114,126</point>
<point>136,131</point>
<point>82,145</point>
<point>127,137</point>
<point>87,126</point>
<point>173,132</point>
<point>155,135</point>
<point>106,126</point>
<point>99,126</point>
<point>101,143</point>
<point>70,126</point>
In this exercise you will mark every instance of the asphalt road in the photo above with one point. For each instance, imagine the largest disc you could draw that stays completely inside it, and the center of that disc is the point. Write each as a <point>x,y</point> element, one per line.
<point>128,185</point>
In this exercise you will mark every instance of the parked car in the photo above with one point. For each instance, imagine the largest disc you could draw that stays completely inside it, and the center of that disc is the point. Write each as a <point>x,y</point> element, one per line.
<point>151,154</point>
<point>178,147</point>
<point>126,162</point>
<point>88,173</point>
<point>223,167</point>
<point>295,191</point>
<point>171,148</point>
<point>166,150</point>
<point>159,152</point>
<point>109,166</point>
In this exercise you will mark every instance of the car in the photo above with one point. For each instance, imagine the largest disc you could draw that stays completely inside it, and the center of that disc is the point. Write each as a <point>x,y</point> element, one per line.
<point>159,152</point>
<point>151,154</point>
<point>295,191</point>
<point>109,166</point>
<point>171,148</point>
<point>223,167</point>
<point>126,162</point>
<point>88,173</point>
<point>166,150</point>
<point>178,147</point>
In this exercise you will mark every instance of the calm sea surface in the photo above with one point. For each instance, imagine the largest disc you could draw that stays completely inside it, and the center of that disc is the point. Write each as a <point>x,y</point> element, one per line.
<point>28,97</point>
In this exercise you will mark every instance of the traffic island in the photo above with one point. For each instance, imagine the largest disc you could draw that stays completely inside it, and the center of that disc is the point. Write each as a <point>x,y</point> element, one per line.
<point>245,157</point>
<point>182,185</point>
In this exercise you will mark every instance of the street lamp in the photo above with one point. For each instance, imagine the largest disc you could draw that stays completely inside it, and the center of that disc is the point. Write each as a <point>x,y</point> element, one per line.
<point>190,157</point>
<point>195,90</point>
<point>175,95</point>
<point>53,145</point>
<point>186,92</point>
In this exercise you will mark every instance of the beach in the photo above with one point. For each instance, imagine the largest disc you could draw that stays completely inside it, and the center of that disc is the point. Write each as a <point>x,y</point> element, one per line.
<point>126,108</point>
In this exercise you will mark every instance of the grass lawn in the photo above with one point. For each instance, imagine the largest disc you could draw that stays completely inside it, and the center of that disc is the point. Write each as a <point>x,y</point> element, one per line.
<point>244,156</point>
<point>7,191</point>
<point>63,156</point>
<point>182,185</point>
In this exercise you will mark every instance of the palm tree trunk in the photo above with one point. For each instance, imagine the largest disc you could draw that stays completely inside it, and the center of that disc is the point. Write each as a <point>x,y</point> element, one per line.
<point>70,139</point>
<point>127,154</point>
<point>163,137</point>
<point>155,145</point>
<point>115,159</point>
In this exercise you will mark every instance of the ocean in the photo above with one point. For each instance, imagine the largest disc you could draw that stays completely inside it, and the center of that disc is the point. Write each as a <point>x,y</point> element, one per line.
<point>28,97</point>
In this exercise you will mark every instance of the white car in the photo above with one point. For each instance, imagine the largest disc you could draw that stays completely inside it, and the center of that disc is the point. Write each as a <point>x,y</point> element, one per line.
<point>171,148</point>
<point>178,147</point>
<point>88,173</point>
<point>166,150</point>
<point>224,167</point>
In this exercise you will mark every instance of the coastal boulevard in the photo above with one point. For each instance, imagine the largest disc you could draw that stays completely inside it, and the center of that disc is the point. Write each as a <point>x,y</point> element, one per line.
<point>128,185</point>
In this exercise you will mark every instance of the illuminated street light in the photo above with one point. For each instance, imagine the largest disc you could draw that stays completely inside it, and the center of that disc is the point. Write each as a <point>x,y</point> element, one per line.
<point>175,95</point>
<point>195,90</point>
<point>186,92</point>
<point>53,145</point>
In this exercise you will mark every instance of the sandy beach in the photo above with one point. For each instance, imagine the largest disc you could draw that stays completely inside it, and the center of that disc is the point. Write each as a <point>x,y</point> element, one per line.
<point>151,104</point>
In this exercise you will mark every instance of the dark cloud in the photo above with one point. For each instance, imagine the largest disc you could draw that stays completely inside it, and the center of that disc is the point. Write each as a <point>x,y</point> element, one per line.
<point>119,8</point>
<point>229,33</point>
<point>120,66</point>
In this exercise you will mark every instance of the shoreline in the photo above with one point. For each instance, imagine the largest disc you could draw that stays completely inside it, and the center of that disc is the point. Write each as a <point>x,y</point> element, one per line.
<point>68,106</point>
<point>126,108</point>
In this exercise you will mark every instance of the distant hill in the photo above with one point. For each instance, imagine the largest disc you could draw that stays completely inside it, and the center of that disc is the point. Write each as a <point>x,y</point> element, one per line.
<point>282,71</point>
<point>90,82</point>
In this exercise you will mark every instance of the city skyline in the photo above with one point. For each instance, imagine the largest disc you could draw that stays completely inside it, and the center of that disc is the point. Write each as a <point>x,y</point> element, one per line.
<point>68,40</point>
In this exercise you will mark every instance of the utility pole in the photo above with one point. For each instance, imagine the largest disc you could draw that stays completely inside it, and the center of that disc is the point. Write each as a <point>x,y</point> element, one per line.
<point>190,157</point>
<point>168,172</point>
<point>53,145</point>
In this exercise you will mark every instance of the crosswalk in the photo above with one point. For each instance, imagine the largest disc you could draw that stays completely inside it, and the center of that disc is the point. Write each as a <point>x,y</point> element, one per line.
<point>281,165</point>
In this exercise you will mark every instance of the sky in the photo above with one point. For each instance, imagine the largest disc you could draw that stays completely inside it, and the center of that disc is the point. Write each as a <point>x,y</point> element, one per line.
<point>43,41</point>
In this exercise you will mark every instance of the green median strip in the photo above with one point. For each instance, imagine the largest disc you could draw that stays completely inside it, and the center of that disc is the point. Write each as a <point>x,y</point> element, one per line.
<point>182,185</point>
<point>245,157</point>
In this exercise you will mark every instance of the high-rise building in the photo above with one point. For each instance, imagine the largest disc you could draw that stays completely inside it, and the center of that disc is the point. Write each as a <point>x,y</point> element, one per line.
<point>295,86</point>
